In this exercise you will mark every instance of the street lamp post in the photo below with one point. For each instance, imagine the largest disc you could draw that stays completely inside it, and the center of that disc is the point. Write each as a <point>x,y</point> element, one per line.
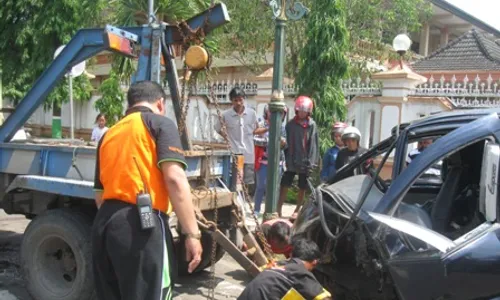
<point>283,11</point>
<point>401,45</point>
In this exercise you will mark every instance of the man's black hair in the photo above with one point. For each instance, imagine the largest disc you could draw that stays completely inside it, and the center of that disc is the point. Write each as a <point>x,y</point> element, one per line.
<point>236,92</point>
<point>280,231</point>
<point>145,91</point>
<point>305,249</point>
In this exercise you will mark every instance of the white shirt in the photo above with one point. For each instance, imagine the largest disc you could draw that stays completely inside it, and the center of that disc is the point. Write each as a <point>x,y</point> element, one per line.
<point>97,133</point>
<point>435,169</point>
<point>240,130</point>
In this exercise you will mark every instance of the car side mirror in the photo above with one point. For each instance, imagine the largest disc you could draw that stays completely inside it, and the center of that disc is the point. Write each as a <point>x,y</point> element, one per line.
<point>488,186</point>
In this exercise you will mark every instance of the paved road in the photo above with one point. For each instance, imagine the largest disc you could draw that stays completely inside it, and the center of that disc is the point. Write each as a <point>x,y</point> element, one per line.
<point>230,278</point>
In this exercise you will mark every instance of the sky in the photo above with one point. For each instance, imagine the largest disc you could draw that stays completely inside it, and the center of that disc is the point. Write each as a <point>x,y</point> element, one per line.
<point>485,10</point>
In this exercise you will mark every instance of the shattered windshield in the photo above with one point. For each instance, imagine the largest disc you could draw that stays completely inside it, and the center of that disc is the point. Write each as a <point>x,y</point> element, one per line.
<point>350,191</point>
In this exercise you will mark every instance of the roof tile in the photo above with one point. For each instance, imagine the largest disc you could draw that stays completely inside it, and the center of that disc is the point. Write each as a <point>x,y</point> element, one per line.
<point>471,51</point>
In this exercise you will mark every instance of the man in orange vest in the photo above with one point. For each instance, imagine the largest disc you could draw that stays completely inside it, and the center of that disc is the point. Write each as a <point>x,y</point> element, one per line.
<point>139,180</point>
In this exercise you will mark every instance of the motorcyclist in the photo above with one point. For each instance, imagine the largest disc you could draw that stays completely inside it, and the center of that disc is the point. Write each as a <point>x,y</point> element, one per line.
<point>328,169</point>
<point>302,152</point>
<point>351,138</point>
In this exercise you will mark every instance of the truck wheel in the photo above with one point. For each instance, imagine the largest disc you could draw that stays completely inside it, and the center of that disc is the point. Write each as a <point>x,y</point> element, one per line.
<point>56,256</point>
<point>206,243</point>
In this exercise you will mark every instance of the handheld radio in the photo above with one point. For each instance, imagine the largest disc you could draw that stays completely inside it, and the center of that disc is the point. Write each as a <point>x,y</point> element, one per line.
<point>144,205</point>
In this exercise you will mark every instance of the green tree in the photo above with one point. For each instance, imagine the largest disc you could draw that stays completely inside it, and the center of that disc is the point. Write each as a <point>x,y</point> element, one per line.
<point>249,35</point>
<point>112,98</point>
<point>135,13</point>
<point>323,63</point>
<point>372,25</point>
<point>30,32</point>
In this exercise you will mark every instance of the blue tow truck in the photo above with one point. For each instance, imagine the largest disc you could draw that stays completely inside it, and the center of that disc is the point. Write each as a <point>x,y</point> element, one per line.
<point>50,181</point>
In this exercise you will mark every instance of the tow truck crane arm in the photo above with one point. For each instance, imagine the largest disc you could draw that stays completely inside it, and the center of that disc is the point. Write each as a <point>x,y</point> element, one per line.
<point>45,181</point>
<point>89,42</point>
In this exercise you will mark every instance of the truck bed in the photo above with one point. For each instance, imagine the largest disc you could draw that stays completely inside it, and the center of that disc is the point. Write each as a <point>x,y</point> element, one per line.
<point>73,161</point>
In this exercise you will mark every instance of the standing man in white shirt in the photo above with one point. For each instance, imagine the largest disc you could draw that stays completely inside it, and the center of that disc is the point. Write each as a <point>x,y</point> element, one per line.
<point>241,124</point>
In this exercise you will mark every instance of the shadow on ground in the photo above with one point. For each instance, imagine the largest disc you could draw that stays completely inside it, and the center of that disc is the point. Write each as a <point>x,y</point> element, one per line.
<point>205,279</point>
<point>228,285</point>
<point>240,275</point>
<point>11,281</point>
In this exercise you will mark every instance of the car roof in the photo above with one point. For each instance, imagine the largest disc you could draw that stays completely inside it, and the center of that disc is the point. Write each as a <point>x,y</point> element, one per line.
<point>445,120</point>
<point>435,125</point>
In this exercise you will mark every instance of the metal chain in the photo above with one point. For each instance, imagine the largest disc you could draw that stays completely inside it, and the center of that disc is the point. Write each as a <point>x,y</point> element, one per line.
<point>267,248</point>
<point>185,109</point>
<point>213,253</point>
<point>181,124</point>
<point>197,37</point>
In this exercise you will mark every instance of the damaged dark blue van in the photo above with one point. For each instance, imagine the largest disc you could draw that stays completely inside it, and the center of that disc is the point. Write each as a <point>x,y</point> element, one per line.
<point>406,235</point>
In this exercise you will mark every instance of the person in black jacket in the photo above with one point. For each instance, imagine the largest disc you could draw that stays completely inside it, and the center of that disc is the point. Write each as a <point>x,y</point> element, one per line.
<point>290,279</point>
<point>302,152</point>
<point>351,137</point>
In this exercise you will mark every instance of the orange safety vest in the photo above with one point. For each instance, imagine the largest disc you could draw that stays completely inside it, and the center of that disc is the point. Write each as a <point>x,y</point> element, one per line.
<point>119,173</point>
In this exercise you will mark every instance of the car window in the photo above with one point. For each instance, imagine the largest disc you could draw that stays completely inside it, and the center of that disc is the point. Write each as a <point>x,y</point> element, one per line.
<point>386,171</point>
<point>433,174</point>
<point>453,210</point>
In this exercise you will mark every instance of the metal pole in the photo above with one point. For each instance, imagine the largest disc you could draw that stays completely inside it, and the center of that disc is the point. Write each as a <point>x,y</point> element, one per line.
<point>276,108</point>
<point>1,86</point>
<point>283,10</point>
<point>151,10</point>
<point>72,123</point>
<point>1,94</point>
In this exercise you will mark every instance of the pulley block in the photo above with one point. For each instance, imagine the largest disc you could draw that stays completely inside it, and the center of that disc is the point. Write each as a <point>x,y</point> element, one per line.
<point>196,57</point>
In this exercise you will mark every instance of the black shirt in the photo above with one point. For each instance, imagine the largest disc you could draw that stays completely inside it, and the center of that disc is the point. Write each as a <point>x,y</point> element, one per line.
<point>165,134</point>
<point>290,278</point>
<point>345,156</point>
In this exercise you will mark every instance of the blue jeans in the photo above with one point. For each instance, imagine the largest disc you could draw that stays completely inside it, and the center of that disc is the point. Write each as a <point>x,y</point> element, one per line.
<point>260,187</point>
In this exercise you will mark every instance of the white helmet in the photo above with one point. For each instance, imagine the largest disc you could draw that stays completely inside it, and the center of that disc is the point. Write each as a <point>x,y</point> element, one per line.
<point>351,132</point>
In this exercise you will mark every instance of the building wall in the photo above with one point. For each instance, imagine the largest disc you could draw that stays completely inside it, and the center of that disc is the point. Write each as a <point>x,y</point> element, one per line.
<point>413,110</point>
<point>360,112</point>
<point>200,118</point>
<point>386,115</point>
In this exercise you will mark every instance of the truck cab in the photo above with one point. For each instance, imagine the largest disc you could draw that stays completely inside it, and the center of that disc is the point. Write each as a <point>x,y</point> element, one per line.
<point>408,235</point>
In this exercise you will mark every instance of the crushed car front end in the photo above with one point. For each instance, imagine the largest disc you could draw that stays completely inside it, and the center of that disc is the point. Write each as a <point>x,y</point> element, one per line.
<point>379,238</point>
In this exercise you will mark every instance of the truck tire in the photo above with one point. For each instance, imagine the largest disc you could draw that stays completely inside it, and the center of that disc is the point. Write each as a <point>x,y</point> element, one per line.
<point>56,256</point>
<point>206,243</point>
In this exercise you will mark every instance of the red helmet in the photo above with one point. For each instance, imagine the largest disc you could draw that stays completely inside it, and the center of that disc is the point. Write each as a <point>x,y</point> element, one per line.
<point>339,127</point>
<point>304,103</point>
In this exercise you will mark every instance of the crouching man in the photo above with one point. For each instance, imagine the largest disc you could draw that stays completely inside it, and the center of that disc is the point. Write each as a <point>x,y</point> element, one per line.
<point>277,233</point>
<point>290,279</point>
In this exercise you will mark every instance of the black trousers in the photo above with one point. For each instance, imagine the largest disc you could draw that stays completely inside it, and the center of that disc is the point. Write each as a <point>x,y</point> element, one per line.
<point>130,263</point>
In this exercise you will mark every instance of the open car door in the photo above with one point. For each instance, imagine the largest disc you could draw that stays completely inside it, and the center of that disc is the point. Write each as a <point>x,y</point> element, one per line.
<point>465,268</point>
